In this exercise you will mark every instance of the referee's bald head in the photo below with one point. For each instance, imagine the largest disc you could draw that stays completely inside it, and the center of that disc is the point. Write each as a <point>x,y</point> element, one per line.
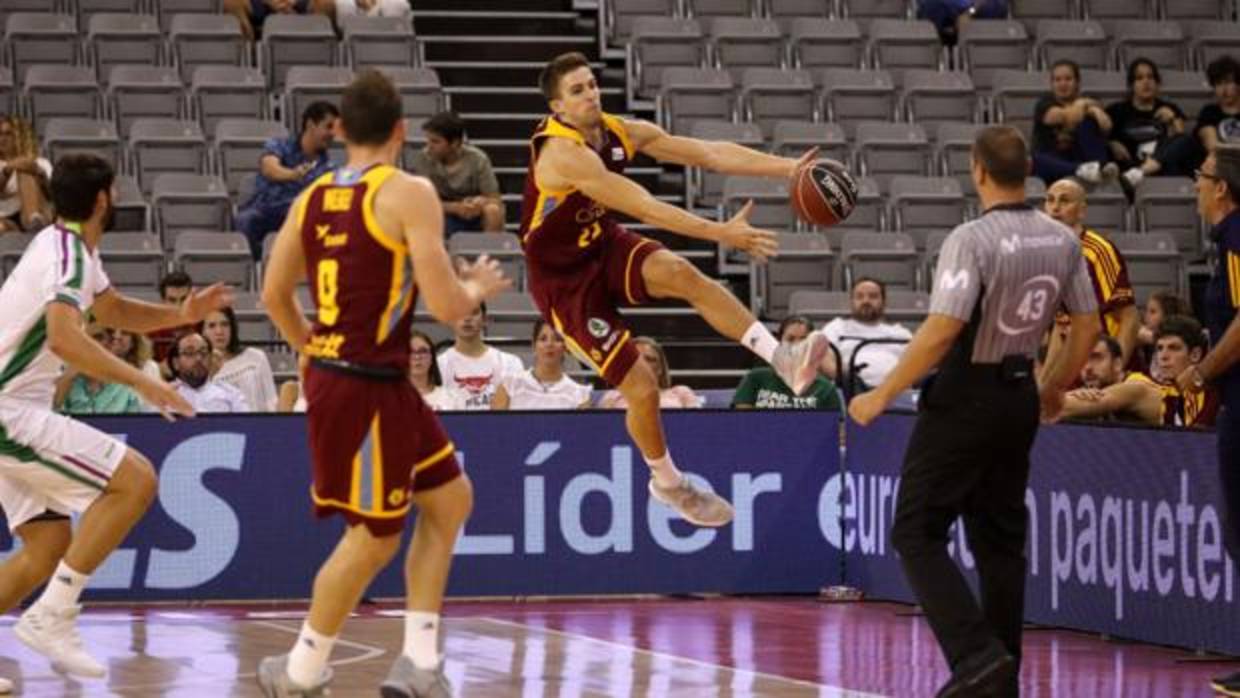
<point>1001,153</point>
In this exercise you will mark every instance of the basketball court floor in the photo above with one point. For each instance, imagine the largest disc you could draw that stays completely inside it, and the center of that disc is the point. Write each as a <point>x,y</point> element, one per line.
<point>729,648</point>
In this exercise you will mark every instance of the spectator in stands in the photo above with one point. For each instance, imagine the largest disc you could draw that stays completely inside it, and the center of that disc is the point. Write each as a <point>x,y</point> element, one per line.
<point>1220,122</point>
<point>286,166</point>
<point>462,175</point>
<point>473,367</point>
<point>24,178</point>
<point>252,13</point>
<point>543,386</point>
<point>190,360</point>
<point>425,376</point>
<point>670,396</point>
<point>78,393</point>
<point>762,389</point>
<point>1105,366</point>
<point>866,324</point>
<point>1160,305</point>
<point>950,16</point>
<point>245,368</point>
<point>174,288</point>
<point>1147,131</point>
<point>373,8</point>
<point>1117,309</point>
<point>1181,343</point>
<point>1070,131</point>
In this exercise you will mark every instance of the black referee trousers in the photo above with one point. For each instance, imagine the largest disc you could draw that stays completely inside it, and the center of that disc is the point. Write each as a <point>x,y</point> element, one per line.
<point>968,458</point>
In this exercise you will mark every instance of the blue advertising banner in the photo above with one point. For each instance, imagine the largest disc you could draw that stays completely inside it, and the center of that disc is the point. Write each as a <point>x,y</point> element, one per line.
<point>561,507</point>
<point>1125,531</point>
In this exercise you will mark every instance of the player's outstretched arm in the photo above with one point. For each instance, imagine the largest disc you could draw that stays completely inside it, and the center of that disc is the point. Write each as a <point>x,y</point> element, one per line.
<point>450,294</point>
<point>286,268</point>
<point>122,312</point>
<point>717,156</point>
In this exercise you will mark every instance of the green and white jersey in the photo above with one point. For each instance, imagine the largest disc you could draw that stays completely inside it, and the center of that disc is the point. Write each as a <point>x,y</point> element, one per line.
<point>56,268</point>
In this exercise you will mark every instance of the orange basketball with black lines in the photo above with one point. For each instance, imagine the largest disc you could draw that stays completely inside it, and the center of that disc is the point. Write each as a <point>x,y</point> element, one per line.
<point>823,193</point>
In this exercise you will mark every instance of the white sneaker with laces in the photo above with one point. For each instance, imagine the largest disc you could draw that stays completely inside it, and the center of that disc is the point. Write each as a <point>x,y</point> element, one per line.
<point>6,686</point>
<point>53,633</point>
<point>797,364</point>
<point>1134,176</point>
<point>1089,172</point>
<point>698,507</point>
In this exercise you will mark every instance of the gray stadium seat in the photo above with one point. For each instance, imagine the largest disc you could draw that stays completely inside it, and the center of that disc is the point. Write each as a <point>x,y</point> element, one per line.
<point>658,43</point>
<point>132,260</point>
<point>819,306</point>
<point>145,92</point>
<point>689,95</point>
<point>770,197</point>
<point>1183,10</point>
<point>930,258</point>
<point>953,153</point>
<point>817,43</point>
<point>221,92</point>
<point>920,205</point>
<point>1015,94</point>
<point>12,245</point>
<point>619,16</point>
<point>168,9</point>
<point>159,146</point>
<point>130,210</point>
<point>1169,205</point>
<point>1079,40</point>
<point>215,256</point>
<point>253,325</point>
<point>504,248</point>
<point>1159,41</point>
<point>1109,12</point>
<point>1106,86</point>
<point>852,96</point>
<point>415,140</point>
<point>1188,89</point>
<point>511,314</point>
<point>864,11</point>
<point>8,95</point>
<point>886,149</point>
<point>792,138</point>
<point>284,364</point>
<point>889,257</point>
<point>1211,39</point>
<point>123,39</point>
<point>1035,192</point>
<point>293,39</point>
<point>740,43</point>
<point>62,136</point>
<point>312,83</point>
<point>987,45</point>
<point>421,95</point>
<point>239,145</point>
<point>190,202</point>
<point>771,94</point>
<point>61,90</point>
<point>199,40</point>
<point>703,9</point>
<point>372,41</point>
<point>1030,12</point>
<point>1107,209</point>
<point>931,98</point>
<point>897,45</point>
<point>1153,262</point>
<point>907,307</point>
<point>805,261</point>
<point>705,188</point>
<point>87,9</point>
<point>40,38</point>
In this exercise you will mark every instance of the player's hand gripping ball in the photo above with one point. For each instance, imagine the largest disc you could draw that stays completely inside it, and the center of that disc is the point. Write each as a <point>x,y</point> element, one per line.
<point>823,193</point>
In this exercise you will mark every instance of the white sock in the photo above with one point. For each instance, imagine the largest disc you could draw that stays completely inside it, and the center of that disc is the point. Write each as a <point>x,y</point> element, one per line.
<point>422,638</point>
<point>64,588</point>
<point>760,341</point>
<point>309,656</point>
<point>664,470</point>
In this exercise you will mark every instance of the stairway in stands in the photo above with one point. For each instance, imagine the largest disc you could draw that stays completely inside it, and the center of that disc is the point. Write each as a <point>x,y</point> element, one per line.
<point>488,57</point>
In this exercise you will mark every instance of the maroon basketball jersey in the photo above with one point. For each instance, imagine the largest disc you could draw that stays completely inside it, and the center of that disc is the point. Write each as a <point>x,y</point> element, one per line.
<point>361,280</point>
<point>560,228</point>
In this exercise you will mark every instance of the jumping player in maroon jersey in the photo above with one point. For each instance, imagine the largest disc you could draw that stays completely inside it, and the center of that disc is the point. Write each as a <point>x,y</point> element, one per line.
<point>582,264</point>
<point>363,234</point>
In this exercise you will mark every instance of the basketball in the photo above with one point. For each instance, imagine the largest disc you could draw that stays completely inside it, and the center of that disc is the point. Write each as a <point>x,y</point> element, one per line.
<point>823,193</point>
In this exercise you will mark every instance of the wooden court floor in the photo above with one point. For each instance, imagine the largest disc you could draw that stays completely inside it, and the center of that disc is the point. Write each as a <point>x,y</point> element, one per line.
<point>650,648</point>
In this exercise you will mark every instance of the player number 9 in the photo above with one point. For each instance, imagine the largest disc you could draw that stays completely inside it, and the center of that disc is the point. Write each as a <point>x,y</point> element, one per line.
<point>328,273</point>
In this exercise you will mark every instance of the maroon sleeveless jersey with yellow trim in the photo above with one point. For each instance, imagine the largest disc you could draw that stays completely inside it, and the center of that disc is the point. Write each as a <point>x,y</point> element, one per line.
<point>558,227</point>
<point>361,279</point>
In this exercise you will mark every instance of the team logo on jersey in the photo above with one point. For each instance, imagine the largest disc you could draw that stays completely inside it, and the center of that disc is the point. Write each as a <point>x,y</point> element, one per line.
<point>598,328</point>
<point>396,498</point>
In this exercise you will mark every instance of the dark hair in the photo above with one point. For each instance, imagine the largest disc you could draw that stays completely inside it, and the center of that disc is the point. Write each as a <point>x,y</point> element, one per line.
<point>539,324</point>
<point>370,108</point>
<point>1227,168</point>
<point>1002,153</point>
<point>447,125</point>
<point>882,287</point>
<point>234,342</point>
<point>1222,68</point>
<point>556,68</point>
<point>174,351</point>
<point>1137,63</point>
<point>1113,346</point>
<point>795,320</point>
<point>76,182</point>
<point>1184,327</point>
<point>1062,62</point>
<point>316,112</point>
<point>176,278</point>
<point>435,376</point>
<point>1171,303</point>
<point>665,380</point>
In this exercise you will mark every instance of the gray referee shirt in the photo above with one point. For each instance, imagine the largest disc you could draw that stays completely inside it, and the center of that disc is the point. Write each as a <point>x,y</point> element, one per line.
<point>1019,264</point>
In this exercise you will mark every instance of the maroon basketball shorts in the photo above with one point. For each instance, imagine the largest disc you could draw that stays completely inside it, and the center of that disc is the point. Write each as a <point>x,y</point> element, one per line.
<point>581,300</point>
<point>373,444</point>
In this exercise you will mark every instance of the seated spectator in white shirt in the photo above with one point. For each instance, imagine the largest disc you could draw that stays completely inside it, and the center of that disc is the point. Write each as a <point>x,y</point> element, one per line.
<point>245,368</point>
<point>473,367</point>
<point>670,396</point>
<point>869,299</point>
<point>544,386</point>
<point>189,360</point>
<point>425,376</point>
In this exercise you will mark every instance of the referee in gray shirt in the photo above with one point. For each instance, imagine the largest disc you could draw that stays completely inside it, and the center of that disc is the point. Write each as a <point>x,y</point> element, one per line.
<point>998,283</point>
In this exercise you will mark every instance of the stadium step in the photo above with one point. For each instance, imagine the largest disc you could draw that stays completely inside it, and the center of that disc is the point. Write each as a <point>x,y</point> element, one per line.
<point>467,98</point>
<point>494,5</point>
<point>447,22</point>
<point>507,48</point>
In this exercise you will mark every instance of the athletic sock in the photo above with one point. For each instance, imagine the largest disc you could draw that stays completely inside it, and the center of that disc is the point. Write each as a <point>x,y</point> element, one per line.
<point>422,638</point>
<point>664,471</point>
<point>309,656</point>
<point>760,341</point>
<point>64,588</point>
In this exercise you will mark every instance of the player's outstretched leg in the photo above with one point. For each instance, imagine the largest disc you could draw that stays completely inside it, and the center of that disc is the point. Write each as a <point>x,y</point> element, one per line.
<point>442,511</point>
<point>49,626</point>
<point>338,587</point>
<point>668,275</point>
